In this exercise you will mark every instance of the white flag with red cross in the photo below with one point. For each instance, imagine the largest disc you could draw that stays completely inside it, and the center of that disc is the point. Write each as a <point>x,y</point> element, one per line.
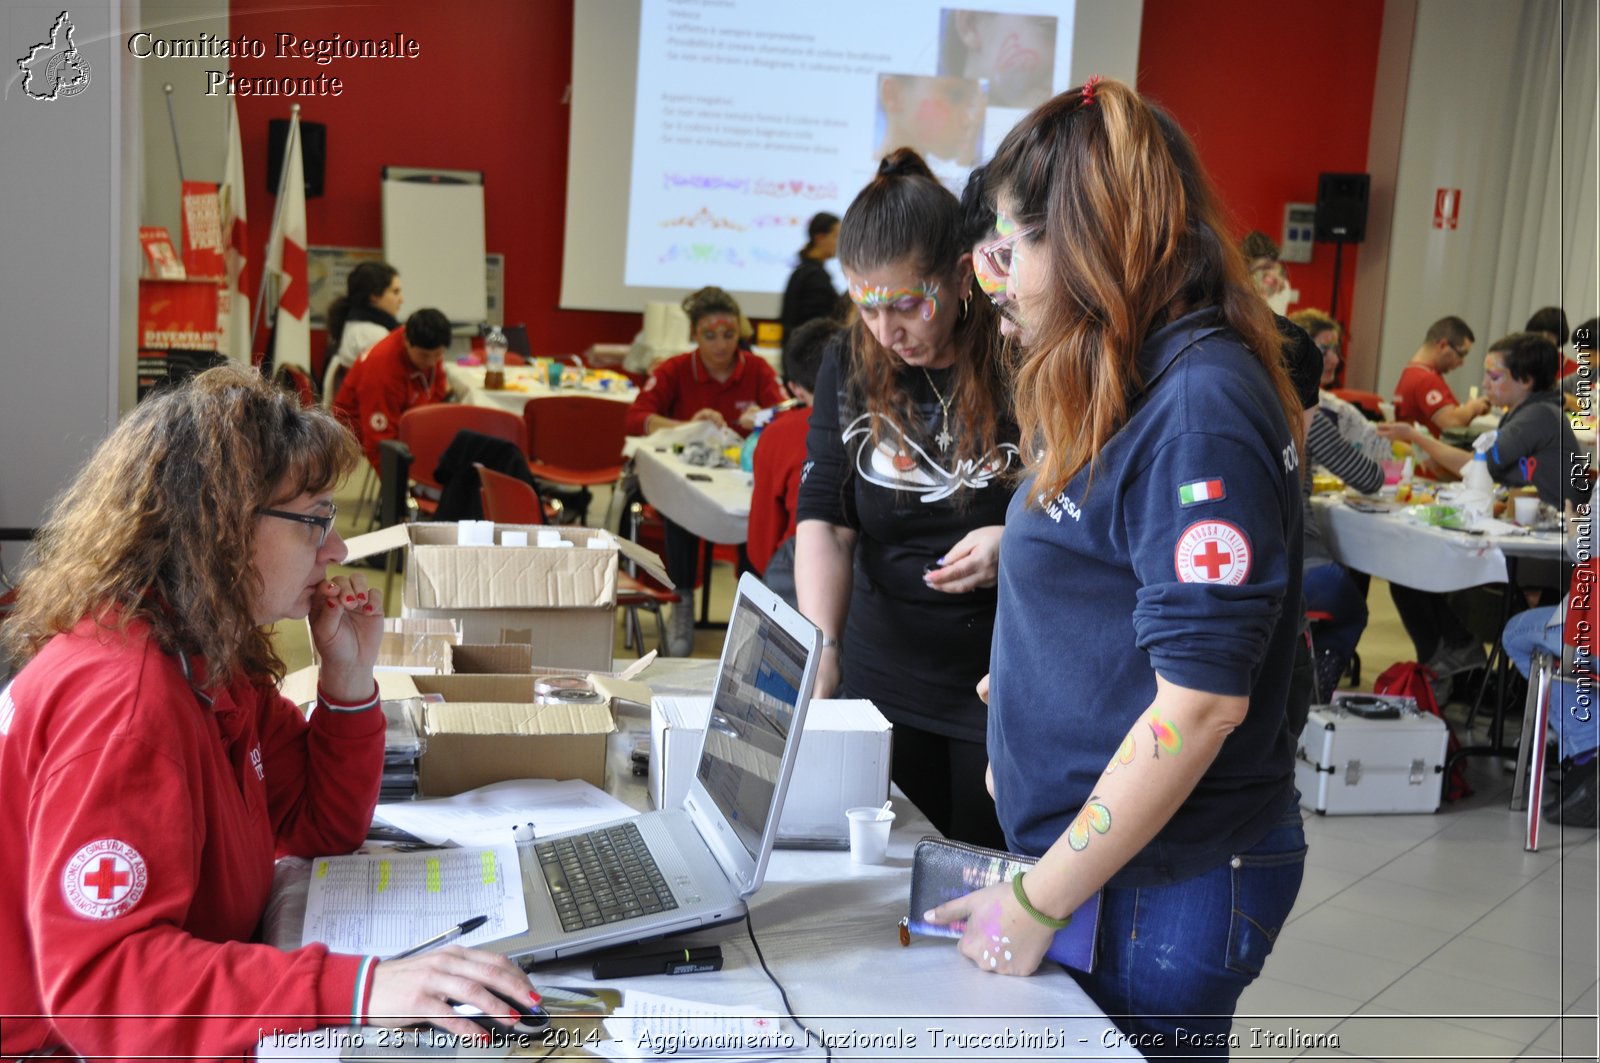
<point>286,256</point>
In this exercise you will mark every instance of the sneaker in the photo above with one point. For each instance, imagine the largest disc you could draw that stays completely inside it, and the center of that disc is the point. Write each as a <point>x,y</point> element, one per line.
<point>1452,660</point>
<point>679,641</point>
<point>1579,801</point>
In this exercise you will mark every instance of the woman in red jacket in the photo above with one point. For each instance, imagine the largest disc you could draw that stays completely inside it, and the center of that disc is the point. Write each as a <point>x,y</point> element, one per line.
<point>153,772</point>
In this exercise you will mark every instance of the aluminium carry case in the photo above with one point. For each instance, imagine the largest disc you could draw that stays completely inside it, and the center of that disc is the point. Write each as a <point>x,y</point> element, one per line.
<point>1370,754</point>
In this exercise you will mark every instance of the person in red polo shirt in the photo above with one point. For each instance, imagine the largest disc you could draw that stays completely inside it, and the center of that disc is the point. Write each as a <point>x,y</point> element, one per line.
<point>397,373</point>
<point>779,463</point>
<point>1422,396</point>
<point>715,382</point>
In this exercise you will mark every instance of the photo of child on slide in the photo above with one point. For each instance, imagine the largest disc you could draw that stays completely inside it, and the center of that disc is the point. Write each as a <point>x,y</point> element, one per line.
<point>941,117</point>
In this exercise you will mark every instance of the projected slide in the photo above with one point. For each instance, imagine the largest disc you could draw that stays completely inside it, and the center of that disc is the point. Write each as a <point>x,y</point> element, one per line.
<point>751,116</point>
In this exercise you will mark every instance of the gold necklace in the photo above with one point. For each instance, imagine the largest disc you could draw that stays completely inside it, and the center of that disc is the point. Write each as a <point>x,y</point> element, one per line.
<point>943,438</point>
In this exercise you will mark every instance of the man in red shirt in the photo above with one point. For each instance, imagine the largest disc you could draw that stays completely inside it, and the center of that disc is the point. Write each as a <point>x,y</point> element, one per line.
<point>397,373</point>
<point>780,459</point>
<point>1422,396</point>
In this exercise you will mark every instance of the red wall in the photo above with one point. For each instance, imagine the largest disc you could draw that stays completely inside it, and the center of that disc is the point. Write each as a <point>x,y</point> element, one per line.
<point>1273,92</point>
<point>485,93</point>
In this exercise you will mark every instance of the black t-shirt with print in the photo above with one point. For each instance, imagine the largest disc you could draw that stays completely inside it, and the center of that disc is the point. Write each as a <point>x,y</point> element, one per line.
<point>915,652</point>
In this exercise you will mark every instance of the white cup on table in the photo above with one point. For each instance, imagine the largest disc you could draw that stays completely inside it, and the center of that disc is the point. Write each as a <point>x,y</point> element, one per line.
<point>869,833</point>
<point>1525,509</point>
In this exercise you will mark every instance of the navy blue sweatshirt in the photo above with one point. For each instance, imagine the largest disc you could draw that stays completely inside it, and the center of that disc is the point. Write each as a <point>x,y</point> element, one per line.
<point>1182,557</point>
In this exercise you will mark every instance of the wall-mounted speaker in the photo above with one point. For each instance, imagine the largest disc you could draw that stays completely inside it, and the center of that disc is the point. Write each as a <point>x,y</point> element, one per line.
<point>313,153</point>
<point>1342,206</point>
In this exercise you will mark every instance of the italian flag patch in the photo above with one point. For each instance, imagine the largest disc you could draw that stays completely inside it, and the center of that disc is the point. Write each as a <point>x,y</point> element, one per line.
<point>1197,491</point>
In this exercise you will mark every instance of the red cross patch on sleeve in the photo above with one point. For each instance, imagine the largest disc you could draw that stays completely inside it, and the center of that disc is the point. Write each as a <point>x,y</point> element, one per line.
<point>1212,551</point>
<point>104,879</point>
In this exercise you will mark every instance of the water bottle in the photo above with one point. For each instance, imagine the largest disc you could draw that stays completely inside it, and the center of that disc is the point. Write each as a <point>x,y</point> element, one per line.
<point>494,349</point>
<point>1478,496</point>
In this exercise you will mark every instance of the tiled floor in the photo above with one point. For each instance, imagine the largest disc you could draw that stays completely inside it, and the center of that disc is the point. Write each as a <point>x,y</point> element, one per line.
<point>1426,937</point>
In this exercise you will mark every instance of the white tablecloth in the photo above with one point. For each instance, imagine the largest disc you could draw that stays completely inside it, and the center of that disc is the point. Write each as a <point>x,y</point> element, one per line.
<point>467,382</point>
<point>1401,550</point>
<point>716,509</point>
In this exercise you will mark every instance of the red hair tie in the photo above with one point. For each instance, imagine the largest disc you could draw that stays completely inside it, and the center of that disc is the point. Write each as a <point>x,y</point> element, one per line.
<point>1088,88</point>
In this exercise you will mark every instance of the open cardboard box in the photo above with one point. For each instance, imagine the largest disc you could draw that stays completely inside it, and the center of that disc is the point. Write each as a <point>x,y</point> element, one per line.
<point>561,601</point>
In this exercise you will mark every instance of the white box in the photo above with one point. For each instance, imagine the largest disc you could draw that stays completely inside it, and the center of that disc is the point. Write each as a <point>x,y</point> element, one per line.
<point>1351,764</point>
<point>843,762</point>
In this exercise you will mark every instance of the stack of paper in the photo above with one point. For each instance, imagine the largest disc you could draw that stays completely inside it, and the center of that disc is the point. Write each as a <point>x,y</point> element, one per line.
<point>487,815</point>
<point>648,1027</point>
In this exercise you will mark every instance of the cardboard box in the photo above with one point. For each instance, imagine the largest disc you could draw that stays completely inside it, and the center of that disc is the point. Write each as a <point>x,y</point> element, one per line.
<point>489,729</point>
<point>415,646</point>
<point>559,601</point>
<point>843,762</point>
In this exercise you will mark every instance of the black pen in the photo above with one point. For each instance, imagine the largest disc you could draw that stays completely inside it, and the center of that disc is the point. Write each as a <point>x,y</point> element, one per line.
<point>444,938</point>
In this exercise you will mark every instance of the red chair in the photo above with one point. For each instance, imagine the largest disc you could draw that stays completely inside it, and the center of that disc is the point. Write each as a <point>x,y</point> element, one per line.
<point>1365,401</point>
<point>576,441</point>
<point>507,500</point>
<point>428,430</point>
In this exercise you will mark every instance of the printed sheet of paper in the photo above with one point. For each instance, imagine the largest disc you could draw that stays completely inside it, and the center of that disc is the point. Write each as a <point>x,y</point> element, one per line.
<point>649,1026</point>
<point>486,815</point>
<point>381,903</point>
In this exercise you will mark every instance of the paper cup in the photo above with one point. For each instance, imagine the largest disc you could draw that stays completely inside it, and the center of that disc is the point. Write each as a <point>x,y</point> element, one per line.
<point>869,833</point>
<point>1525,509</point>
<point>513,538</point>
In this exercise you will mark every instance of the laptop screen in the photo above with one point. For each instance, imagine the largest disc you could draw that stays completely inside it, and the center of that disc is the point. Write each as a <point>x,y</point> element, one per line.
<point>752,711</point>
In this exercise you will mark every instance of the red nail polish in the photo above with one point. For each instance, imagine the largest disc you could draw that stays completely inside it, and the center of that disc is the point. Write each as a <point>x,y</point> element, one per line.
<point>349,598</point>
<point>366,608</point>
<point>535,997</point>
<point>361,597</point>
<point>332,603</point>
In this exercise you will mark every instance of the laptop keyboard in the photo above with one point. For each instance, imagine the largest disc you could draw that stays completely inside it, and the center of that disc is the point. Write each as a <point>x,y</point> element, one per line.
<point>603,877</point>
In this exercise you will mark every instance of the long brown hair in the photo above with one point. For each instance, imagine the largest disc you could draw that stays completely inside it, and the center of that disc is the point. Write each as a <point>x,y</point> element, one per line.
<point>159,525</point>
<point>905,215</point>
<point>1135,241</point>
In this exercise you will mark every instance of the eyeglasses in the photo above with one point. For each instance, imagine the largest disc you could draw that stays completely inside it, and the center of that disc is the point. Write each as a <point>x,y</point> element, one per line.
<point>323,524</point>
<point>1329,348</point>
<point>996,254</point>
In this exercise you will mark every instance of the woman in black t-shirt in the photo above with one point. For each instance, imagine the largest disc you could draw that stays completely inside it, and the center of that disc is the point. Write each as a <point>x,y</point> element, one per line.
<point>911,451</point>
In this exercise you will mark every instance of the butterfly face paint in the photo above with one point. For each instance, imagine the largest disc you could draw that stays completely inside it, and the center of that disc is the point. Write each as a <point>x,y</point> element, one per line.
<point>922,297</point>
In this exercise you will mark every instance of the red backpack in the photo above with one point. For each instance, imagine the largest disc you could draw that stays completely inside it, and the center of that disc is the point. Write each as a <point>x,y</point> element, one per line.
<point>1410,679</point>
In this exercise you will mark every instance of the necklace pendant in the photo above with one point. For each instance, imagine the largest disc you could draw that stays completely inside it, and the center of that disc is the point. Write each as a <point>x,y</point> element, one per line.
<point>943,439</point>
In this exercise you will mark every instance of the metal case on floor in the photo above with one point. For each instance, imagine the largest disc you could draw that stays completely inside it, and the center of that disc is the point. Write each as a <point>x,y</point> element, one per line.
<point>1369,754</point>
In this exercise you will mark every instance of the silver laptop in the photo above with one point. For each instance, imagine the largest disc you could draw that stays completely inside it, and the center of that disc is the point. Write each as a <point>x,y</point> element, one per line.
<point>673,870</point>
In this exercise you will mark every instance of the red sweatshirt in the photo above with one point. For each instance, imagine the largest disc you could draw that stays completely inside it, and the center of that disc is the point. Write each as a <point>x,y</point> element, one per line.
<point>779,460</point>
<point>142,827</point>
<point>380,387</point>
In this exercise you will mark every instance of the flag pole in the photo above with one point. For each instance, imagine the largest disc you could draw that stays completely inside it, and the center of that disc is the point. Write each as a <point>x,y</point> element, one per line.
<point>277,211</point>
<point>172,119</point>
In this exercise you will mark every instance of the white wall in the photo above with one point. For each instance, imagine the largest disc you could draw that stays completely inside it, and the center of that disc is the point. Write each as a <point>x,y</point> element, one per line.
<point>67,225</point>
<point>202,119</point>
<point>1474,63</point>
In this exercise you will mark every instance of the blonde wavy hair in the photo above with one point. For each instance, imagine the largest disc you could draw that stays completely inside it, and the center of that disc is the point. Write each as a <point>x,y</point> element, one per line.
<point>1135,239</point>
<point>159,525</point>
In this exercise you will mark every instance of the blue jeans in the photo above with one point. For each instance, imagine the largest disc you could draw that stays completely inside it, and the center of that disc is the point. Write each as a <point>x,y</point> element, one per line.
<point>1329,589</point>
<point>1174,959</point>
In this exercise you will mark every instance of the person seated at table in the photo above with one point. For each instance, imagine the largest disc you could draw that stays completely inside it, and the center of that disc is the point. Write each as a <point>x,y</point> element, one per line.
<point>1551,322</point>
<point>1534,443</point>
<point>1568,633</point>
<point>154,773</point>
<point>1422,395</point>
<point>1338,420</point>
<point>400,372</point>
<point>911,449</point>
<point>367,312</point>
<point>716,382</point>
<point>780,459</point>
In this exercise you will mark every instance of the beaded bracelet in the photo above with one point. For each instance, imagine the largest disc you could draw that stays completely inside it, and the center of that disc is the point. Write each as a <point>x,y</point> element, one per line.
<point>1038,916</point>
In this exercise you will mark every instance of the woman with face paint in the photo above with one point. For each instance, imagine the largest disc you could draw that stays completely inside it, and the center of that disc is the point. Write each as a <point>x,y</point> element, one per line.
<point>716,382</point>
<point>911,451</point>
<point>1149,579</point>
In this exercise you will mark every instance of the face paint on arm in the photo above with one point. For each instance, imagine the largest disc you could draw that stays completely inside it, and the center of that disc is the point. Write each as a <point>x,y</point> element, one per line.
<point>1094,816</point>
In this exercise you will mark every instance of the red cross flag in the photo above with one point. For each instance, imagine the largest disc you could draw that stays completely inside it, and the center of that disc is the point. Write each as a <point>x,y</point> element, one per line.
<point>286,256</point>
<point>233,304</point>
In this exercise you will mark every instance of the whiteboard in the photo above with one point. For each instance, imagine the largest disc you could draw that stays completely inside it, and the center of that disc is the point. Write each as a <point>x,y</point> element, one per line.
<point>433,233</point>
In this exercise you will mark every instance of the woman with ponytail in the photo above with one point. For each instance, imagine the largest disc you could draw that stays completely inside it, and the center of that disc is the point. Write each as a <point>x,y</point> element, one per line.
<point>1149,579</point>
<point>367,312</point>
<point>911,451</point>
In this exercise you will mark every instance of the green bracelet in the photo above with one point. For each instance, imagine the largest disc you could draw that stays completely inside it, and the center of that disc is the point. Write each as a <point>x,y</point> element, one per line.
<point>1038,916</point>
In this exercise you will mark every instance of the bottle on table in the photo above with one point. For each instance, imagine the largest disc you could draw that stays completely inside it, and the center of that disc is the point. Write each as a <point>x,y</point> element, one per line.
<point>494,349</point>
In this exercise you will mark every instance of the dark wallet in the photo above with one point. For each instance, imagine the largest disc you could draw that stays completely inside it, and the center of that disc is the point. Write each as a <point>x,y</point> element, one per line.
<point>943,870</point>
